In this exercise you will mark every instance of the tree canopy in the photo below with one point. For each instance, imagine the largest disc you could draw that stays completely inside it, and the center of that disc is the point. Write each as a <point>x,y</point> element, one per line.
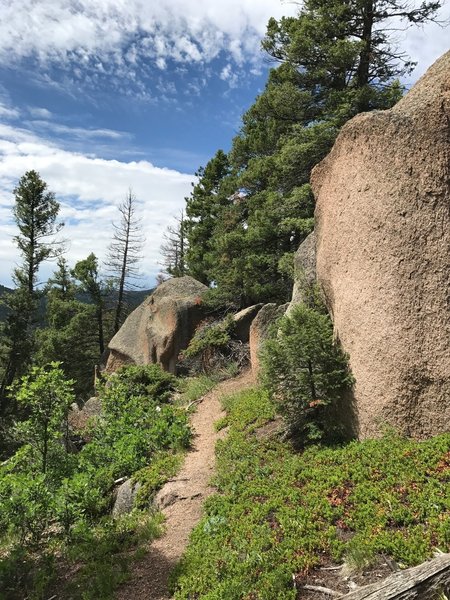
<point>252,207</point>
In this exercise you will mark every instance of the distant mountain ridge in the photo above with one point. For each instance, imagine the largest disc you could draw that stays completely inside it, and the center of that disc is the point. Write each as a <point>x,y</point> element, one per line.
<point>134,297</point>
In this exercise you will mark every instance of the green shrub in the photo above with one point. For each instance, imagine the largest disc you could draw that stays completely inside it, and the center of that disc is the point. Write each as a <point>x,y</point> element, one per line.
<point>210,343</point>
<point>46,396</point>
<point>26,504</point>
<point>137,422</point>
<point>52,499</point>
<point>306,372</point>
<point>140,380</point>
<point>162,468</point>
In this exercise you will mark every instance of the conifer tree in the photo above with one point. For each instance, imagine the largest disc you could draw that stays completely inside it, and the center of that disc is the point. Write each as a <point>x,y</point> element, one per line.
<point>336,58</point>
<point>35,212</point>
<point>174,248</point>
<point>68,336</point>
<point>87,273</point>
<point>203,207</point>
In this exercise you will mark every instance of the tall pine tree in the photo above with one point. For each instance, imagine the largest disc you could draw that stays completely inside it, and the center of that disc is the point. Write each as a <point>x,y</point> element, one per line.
<point>35,213</point>
<point>336,59</point>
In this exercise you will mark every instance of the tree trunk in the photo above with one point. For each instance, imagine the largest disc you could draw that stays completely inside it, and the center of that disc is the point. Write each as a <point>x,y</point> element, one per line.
<point>426,581</point>
<point>362,75</point>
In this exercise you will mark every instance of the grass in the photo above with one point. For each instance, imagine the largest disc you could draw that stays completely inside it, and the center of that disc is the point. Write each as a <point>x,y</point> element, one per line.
<point>279,515</point>
<point>193,388</point>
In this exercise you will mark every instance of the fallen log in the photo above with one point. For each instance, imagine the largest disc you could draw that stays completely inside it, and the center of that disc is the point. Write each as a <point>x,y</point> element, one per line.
<point>424,582</point>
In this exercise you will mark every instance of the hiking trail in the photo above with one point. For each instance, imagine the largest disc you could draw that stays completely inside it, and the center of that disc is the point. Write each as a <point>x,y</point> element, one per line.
<point>181,498</point>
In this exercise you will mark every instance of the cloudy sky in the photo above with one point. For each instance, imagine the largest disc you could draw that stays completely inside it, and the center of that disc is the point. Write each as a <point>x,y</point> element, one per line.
<point>103,95</point>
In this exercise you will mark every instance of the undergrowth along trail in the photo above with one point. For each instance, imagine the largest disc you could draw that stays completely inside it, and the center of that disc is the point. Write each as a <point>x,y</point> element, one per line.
<point>181,499</point>
<point>283,519</point>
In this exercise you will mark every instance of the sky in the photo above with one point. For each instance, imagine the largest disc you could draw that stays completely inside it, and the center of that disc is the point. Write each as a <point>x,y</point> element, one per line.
<point>103,96</point>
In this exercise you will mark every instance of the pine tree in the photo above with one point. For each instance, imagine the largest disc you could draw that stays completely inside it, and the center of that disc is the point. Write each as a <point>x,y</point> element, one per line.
<point>124,255</point>
<point>87,273</point>
<point>336,59</point>
<point>35,213</point>
<point>203,207</point>
<point>68,336</point>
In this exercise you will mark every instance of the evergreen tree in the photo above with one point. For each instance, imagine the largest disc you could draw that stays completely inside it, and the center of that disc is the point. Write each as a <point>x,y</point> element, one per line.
<point>203,207</point>
<point>124,255</point>
<point>68,336</point>
<point>306,372</point>
<point>87,273</point>
<point>35,213</point>
<point>346,46</point>
<point>336,59</point>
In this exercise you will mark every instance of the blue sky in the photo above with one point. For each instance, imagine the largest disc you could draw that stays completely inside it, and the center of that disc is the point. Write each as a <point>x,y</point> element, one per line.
<point>103,95</point>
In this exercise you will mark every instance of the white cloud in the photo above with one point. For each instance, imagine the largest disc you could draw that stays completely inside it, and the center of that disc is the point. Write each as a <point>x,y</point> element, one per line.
<point>39,113</point>
<point>426,44</point>
<point>91,39</point>
<point>95,32</point>
<point>227,74</point>
<point>6,112</point>
<point>88,189</point>
<point>80,132</point>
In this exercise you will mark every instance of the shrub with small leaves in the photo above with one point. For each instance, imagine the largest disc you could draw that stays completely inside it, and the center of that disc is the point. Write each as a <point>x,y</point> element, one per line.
<point>46,396</point>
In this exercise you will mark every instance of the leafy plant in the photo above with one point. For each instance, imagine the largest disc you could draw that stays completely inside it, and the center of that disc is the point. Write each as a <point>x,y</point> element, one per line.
<point>57,503</point>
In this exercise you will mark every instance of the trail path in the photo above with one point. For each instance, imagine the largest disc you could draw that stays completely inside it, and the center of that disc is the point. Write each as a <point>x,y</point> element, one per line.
<point>182,498</point>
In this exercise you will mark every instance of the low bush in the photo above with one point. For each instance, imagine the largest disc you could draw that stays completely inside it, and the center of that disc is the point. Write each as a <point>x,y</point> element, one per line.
<point>215,349</point>
<point>51,498</point>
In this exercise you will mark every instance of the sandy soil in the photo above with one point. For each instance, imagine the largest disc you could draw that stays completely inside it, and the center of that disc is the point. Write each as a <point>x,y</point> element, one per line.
<point>181,499</point>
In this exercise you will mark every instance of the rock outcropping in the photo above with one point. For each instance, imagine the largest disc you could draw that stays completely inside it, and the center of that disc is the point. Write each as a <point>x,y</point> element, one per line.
<point>383,256</point>
<point>243,320</point>
<point>304,272</point>
<point>260,330</point>
<point>162,326</point>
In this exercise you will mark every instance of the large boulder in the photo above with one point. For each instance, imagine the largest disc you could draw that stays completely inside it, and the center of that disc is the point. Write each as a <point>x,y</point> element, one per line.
<point>383,256</point>
<point>304,272</point>
<point>260,331</point>
<point>242,321</point>
<point>162,326</point>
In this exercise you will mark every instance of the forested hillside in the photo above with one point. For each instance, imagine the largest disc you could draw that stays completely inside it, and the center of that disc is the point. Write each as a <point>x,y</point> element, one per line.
<point>72,317</point>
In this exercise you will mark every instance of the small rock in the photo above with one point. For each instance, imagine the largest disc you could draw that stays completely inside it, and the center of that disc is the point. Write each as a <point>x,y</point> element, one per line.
<point>125,497</point>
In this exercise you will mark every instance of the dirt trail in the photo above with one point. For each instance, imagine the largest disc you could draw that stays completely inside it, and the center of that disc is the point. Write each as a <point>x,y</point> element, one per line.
<point>182,498</point>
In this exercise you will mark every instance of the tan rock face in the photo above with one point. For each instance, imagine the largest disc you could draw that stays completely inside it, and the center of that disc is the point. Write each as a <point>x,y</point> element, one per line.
<point>243,320</point>
<point>260,330</point>
<point>383,256</point>
<point>304,272</point>
<point>160,327</point>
